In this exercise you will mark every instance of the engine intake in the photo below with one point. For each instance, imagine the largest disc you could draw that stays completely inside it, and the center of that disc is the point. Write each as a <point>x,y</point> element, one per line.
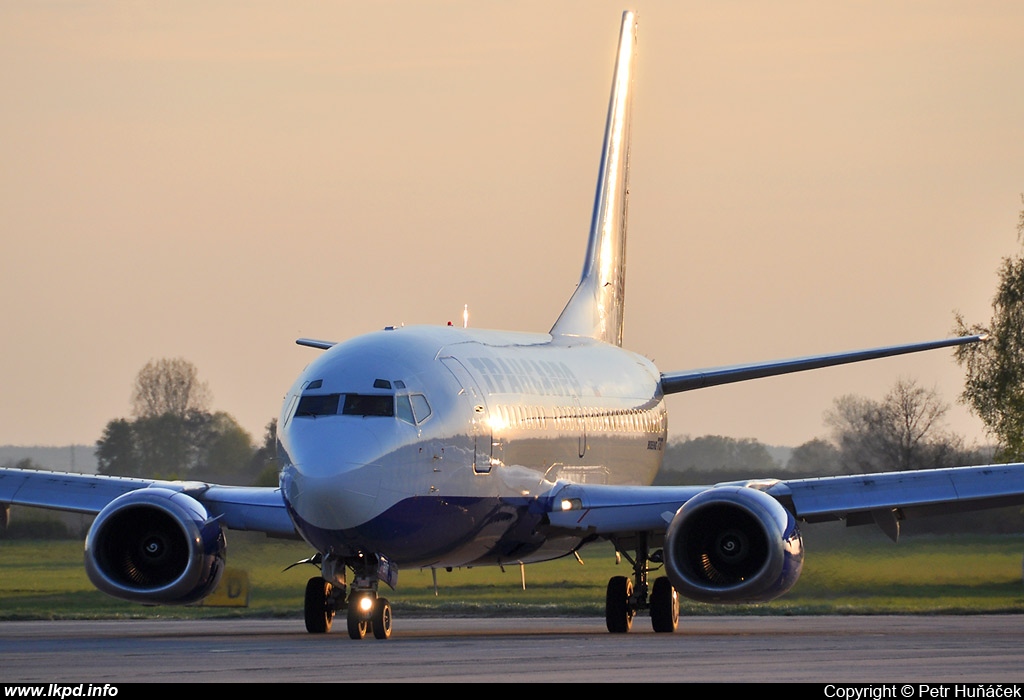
<point>733,544</point>
<point>155,546</point>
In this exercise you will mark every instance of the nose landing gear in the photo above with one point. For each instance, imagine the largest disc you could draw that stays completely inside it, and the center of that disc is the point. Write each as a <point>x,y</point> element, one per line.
<point>365,611</point>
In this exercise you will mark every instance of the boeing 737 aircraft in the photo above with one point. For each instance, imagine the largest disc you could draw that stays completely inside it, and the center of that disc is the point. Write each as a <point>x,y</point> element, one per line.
<point>435,447</point>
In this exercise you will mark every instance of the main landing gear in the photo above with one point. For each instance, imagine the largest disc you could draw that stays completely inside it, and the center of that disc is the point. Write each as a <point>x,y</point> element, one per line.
<point>327,594</point>
<point>626,597</point>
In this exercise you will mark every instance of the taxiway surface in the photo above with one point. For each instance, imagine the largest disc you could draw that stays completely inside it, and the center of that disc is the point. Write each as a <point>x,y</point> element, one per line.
<point>875,649</point>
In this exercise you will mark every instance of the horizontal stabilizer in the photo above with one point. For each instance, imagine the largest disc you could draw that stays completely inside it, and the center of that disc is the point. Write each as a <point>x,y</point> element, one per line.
<point>312,343</point>
<point>674,382</point>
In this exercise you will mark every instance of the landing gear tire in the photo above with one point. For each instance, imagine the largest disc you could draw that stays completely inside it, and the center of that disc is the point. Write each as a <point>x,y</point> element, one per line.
<point>357,623</point>
<point>317,607</point>
<point>618,609</point>
<point>664,606</point>
<point>381,620</point>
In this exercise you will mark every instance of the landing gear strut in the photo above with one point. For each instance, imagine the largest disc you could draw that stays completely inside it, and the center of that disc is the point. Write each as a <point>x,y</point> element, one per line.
<point>625,597</point>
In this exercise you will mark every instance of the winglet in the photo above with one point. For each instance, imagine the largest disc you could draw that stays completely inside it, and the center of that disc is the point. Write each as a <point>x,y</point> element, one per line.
<point>595,308</point>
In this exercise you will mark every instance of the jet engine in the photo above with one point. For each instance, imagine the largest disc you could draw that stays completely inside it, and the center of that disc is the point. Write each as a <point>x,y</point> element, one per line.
<point>733,544</point>
<point>155,546</point>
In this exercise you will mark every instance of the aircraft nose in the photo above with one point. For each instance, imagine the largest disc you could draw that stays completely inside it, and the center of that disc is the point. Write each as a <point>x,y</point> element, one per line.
<point>331,478</point>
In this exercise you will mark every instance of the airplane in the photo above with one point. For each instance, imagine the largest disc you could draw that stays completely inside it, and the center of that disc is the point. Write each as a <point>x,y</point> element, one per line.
<point>430,447</point>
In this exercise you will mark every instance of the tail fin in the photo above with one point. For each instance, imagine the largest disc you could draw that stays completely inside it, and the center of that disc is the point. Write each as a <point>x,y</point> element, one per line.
<point>595,308</point>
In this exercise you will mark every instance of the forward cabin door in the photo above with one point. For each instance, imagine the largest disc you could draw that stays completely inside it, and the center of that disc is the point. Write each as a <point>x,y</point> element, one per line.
<point>481,428</point>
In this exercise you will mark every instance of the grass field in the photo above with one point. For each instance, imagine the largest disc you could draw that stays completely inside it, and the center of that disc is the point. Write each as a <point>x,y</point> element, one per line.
<point>866,575</point>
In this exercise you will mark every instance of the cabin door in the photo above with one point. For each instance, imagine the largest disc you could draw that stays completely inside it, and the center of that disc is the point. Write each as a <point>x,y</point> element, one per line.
<point>481,428</point>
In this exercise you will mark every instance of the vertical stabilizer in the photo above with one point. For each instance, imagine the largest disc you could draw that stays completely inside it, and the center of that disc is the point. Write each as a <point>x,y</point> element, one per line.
<point>595,309</point>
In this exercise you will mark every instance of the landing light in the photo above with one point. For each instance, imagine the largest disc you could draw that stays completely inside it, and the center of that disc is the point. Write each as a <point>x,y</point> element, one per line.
<point>366,603</point>
<point>571,504</point>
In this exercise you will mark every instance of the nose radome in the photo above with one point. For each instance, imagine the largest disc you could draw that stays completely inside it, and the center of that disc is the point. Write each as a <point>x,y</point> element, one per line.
<point>333,479</point>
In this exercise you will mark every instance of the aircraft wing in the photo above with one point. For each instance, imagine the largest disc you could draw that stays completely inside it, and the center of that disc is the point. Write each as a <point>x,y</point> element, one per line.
<point>236,507</point>
<point>884,499</point>
<point>601,509</point>
<point>673,382</point>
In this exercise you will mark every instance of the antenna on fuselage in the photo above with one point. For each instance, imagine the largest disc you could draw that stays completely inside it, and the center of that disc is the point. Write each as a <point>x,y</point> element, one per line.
<point>465,316</point>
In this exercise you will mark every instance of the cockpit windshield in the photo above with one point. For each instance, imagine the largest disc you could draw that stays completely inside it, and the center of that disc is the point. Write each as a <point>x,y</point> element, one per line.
<point>368,405</point>
<point>313,405</point>
<point>317,405</point>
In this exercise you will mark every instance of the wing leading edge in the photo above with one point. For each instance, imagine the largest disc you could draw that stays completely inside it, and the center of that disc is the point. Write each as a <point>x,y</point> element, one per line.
<point>884,499</point>
<point>236,507</point>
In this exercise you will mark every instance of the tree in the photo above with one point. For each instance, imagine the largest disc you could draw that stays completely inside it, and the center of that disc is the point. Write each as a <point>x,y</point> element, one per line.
<point>994,388</point>
<point>202,446</point>
<point>713,458</point>
<point>227,451</point>
<point>265,464</point>
<point>168,386</point>
<point>115,451</point>
<point>162,446</point>
<point>23,463</point>
<point>904,430</point>
<point>173,436</point>
<point>814,457</point>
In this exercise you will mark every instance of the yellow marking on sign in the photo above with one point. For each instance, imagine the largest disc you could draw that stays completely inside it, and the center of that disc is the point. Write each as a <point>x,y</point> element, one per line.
<point>232,591</point>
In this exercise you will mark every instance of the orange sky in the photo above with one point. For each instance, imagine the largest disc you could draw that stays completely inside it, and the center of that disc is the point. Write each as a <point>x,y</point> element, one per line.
<point>211,180</point>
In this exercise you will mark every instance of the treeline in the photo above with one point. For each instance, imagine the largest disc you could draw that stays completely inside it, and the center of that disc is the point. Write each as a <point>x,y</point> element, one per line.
<point>715,458</point>
<point>198,445</point>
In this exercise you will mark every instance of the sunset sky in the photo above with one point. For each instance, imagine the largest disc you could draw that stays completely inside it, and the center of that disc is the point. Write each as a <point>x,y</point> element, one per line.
<point>212,180</point>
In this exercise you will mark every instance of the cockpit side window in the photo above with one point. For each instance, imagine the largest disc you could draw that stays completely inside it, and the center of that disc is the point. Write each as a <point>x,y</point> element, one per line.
<point>420,407</point>
<point>404,408</point>
<point>412,408</point>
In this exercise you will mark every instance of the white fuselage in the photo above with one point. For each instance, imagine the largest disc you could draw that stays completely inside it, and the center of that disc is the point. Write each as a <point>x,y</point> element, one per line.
<point>437,446</point>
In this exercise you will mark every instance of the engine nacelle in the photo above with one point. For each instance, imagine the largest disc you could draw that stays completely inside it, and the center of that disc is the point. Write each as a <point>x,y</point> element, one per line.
<point>733,544</point>
<point>155,546</point>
